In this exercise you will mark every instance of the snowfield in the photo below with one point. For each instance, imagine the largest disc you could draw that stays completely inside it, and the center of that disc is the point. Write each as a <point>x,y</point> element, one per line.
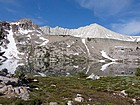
<point>11,51</point>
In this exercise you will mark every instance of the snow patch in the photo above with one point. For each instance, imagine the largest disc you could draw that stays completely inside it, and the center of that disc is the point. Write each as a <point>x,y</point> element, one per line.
<point>15,23</point>
<point>106,65</point>
<point>11,51</point>
<point>67,74</point>
<point>101,61</point>
<point>75,66</point>
<point>45,41</point>
<point>10,65</point>
<point>68,45</point>
<point>37,42</point>
<point>84,41</point>
<point>2,59</point>
<point>29,36</point>
<point>76,54</point>
<point>124,93</point>
<point>119,46</point>
<point>138,40</point>
<point>93,76</point>
<point>42,38</point>
<point>84,68</point>
<point>88,69</point>
<point>106,56</point>
<point>43,75</point>
<point>21,64</point>
<point>23,32</point>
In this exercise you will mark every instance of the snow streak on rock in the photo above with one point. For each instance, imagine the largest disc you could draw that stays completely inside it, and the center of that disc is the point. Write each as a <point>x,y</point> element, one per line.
<point>10,65</point>
<point>107,57</point>
<point>11,51</point>
<point>23,32</point>
<point>106,65</point>
<point>138,40</point>
<point>84,41</point>
<point>93,76</point>
<point>45,41</point>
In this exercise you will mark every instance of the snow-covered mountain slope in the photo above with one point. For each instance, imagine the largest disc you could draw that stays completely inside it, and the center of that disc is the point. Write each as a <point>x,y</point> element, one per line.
<point>91,31</point>
<point>137,38</point>
<point>17,41</point>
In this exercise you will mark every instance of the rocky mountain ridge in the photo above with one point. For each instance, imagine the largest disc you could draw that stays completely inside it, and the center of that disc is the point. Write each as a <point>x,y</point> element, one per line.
<point>90,31</point>
<point>46,51</point>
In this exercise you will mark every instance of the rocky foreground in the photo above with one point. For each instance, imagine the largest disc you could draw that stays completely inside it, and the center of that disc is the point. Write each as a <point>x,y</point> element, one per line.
<point>77,90</point>
<point>12,87</point>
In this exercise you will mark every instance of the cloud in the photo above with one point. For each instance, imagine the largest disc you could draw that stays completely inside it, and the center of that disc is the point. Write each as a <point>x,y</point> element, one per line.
<point>12,2</point>
<point>11,10</point>
<point>130,28</point>
<point>105,7</point>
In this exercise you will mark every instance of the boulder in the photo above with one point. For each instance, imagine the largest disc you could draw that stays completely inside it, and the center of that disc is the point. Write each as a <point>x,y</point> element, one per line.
<point>53,103</point>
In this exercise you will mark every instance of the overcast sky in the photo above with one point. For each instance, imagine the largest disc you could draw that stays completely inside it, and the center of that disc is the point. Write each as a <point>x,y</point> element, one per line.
<point>122,16</point>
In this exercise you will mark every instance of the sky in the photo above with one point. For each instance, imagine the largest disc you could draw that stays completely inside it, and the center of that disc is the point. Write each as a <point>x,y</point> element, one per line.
<point>122,16</point>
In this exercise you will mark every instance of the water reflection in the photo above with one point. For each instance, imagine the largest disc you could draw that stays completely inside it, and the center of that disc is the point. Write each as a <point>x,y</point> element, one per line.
<point>113,69</point>
<point>65,68</point>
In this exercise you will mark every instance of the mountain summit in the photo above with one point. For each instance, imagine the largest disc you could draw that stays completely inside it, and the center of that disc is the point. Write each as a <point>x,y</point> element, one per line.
<point>90,31</point>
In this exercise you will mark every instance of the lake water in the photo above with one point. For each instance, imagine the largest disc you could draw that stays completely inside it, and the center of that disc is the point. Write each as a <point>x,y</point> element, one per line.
<point>67,68</point>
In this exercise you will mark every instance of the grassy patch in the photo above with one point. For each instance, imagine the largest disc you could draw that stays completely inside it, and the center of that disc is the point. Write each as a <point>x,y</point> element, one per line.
<point>63,89</point>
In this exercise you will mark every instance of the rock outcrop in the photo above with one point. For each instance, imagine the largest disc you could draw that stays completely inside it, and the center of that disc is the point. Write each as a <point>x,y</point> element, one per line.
<point>12,87</point>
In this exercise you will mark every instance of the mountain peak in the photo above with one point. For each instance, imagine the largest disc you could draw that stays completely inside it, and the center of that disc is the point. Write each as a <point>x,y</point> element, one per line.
<point>90,31</point>
<point>94,24</point>
<point>25,23</point>
<point>25,20</point>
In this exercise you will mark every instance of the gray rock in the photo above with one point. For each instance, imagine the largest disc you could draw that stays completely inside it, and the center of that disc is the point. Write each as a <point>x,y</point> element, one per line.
<point>53,103</point>
<point>3,89</point>
<point>17,90</point>
<point>79,99</point>
<point>69,102</point>
<point>8,79</point>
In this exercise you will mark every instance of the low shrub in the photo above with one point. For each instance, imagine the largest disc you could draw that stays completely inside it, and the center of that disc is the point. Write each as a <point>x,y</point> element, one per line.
<point>137,72</point>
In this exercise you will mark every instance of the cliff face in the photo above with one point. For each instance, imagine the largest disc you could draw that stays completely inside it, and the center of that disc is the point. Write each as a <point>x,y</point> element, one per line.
<point>26,47</point>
